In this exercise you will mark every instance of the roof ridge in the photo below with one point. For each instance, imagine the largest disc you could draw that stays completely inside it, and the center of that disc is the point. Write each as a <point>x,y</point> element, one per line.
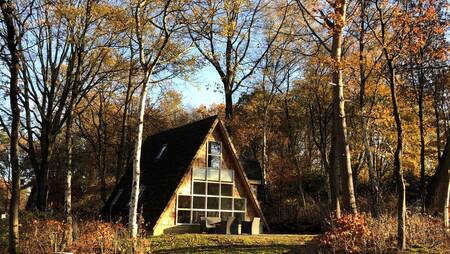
<point>213,117</point>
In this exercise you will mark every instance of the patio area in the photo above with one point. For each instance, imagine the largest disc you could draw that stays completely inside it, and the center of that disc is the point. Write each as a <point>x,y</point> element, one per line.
<point>230,226</point>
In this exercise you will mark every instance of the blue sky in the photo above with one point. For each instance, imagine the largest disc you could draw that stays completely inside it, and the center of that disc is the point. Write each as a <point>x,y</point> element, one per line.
<point>204,88</point>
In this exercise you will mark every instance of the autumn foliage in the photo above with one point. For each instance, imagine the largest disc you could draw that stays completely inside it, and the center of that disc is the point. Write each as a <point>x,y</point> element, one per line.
<point>348,233</point>
<point>364,234</point>
<point>47,236</point>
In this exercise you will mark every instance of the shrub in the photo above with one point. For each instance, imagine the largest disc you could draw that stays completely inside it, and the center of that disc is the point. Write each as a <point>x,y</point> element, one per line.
<point>42,236</point>
<point>365,234</point>
<point>348,234</point>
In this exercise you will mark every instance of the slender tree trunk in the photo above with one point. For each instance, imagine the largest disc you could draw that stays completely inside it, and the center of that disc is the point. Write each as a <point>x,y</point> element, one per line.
<point>438,129</point>
<point>446,206</point>
<point>301,190</point>
<point>147,65</point>
<point>422,154</point>
<point>264,161</point>
<point>422,138</point>
<point>123,137</point>
<point>401,210</point>
<point>101,143</point>
<point>7,8</point>
<point>132,222</point>
<point>264,149</point>
<point>374,189</point>
<point>340,125</point>
<point>68,190</point>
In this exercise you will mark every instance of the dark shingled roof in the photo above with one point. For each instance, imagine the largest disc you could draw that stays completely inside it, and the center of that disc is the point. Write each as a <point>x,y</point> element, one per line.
<point>159,177</point>
<point>252,169</point>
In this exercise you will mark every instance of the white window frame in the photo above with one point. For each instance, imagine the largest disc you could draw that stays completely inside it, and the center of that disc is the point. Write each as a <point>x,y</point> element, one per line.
<point>206,196</point>
<point>207,154</point>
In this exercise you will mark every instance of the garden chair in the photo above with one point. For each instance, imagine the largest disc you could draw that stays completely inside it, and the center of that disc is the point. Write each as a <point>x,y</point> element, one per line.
<point>228,227</point>
<point>208,224</point>
<point>251,227</point>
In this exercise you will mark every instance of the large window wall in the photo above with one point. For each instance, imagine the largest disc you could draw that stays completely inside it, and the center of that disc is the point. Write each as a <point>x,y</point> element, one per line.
<point>211,192</point>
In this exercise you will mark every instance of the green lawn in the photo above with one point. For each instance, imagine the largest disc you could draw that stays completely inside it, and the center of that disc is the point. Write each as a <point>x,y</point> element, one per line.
<point>203,243</point>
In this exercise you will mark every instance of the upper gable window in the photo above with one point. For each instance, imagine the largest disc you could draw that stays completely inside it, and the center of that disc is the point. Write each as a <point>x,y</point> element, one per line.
<point>214,154</point>
<point>215,148</point>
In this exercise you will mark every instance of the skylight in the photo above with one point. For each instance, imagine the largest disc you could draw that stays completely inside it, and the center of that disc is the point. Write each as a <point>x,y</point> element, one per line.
<point>161,152</point>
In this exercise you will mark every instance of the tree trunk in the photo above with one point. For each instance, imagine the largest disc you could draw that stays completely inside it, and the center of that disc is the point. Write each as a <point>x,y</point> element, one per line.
<point>42,177</point>
<point>374,189</point>
<point>228,103</point>
<point>264,161</point>
<point>8,12</point>
<point>264,150</point>
<point>422,138</point>
<point>340,125</point>
<point>438,129</point>
<point>436,197</point>
<point>68,190</point>
<point>446,206</point>
<point>132,220</point>
<point>422,154</point>
<point>32,198</point>
<point>401,209</point>
<point>334,178</point>
<point>302,199</point>
<point>124,132</point>
<point>123,137</point>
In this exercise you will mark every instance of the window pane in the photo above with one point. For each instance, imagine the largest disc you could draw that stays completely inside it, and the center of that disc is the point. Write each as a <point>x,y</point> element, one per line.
<point>239,204</point>
<point>227,190</point>
<point>214,162</point>
<point>226,175</point>
<point>199,202</point>
<point>226,203</point>
<point>214,148</point>
<point>199,188</point>
<point>213,189</point>
<point>184,201</point>
<point>199,174</point>
<point>197,215</point>
<point>184,216</point>
<point>225,215</point>
<point>213,174</point>
<point>213,203</point>
<point>213,214</point>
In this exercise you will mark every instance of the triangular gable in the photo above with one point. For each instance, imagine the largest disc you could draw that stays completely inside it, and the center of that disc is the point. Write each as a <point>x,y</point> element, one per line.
<point>239,169</point>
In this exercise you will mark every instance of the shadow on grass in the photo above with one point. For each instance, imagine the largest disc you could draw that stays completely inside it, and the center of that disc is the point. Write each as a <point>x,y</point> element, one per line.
<point>308,247</point>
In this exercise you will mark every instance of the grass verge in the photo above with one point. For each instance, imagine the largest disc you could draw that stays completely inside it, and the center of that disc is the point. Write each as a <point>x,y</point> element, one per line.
<point>203,243</point>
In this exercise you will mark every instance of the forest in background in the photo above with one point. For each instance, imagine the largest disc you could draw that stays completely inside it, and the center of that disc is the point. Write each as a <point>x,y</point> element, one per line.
<point>345,104</point>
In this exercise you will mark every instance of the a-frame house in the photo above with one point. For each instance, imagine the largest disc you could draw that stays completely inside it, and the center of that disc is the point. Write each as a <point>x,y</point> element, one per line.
<point>187,173</point>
